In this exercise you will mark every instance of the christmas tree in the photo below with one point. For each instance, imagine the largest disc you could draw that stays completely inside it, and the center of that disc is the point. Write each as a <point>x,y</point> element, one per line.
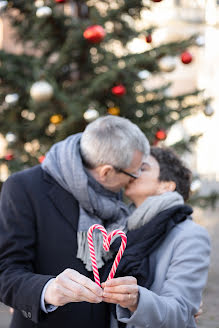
<point>76,65</point>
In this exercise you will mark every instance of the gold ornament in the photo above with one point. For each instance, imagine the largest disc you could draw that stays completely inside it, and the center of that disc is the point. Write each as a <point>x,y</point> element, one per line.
<point>114,111</point>
<point>56,119</point>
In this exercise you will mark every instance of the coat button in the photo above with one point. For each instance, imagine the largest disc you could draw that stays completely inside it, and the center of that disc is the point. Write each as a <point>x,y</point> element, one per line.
<point>29,315</point>
<point>24,313</point>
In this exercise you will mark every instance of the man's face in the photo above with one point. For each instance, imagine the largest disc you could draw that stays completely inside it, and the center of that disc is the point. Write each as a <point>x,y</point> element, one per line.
<point>119,179</point>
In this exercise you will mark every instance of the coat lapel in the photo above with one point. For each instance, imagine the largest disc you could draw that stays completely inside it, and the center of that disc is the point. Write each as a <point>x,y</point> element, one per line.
<point>64,202</point>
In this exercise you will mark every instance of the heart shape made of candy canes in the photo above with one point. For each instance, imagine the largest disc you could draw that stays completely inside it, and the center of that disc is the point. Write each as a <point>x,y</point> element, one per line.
<point>106,245</point>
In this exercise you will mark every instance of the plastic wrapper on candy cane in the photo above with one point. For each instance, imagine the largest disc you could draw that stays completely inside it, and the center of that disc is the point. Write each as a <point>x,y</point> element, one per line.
<point>106,245</point>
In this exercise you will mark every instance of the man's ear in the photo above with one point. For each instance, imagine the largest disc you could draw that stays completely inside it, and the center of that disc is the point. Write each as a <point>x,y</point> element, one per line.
<point>105,172</point>
<point>166,186</point>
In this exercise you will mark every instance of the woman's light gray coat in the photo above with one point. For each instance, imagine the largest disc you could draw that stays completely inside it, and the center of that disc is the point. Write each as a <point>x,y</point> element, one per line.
<point>182,263</point>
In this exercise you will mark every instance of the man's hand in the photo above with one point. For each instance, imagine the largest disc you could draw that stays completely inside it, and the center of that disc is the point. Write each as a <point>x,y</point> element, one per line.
<point>122,291</point>
<point>71,286</point>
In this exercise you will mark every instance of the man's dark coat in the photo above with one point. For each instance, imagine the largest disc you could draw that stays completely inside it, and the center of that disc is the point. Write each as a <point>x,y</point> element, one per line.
<point>38,240</point>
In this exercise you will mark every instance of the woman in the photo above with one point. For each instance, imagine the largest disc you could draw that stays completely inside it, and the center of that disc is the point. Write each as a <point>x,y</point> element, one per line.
<point>164,269</point>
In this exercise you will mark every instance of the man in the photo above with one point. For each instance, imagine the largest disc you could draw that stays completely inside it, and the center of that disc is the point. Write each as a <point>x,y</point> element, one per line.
<point>45,213</point>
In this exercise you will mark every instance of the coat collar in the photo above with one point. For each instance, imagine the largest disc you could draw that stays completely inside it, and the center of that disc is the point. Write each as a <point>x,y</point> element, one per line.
<point>64,202</point>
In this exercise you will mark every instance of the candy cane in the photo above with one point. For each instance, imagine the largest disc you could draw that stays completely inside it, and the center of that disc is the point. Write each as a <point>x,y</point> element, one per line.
<point>106,246</point>
<point>120,252</point>
<point>92,252</point>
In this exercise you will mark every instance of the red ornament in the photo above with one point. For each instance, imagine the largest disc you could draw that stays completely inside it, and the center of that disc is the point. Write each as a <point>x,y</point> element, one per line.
<point>41,158</point>
<point>60,1</point>
<point>119,90</point>
<point>186,57</point>
<point>94,33</point>
<point>156,0</point>
<point>9,157</point>
<point>148,38</point>
<point>161,135</point>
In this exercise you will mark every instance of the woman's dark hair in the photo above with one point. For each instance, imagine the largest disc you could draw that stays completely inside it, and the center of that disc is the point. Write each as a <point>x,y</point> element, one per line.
<point>173,169</point>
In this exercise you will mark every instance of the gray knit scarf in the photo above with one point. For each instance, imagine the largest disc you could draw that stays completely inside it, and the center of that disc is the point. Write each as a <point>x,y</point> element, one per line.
<point>97,205</point>
<point>151,207</point>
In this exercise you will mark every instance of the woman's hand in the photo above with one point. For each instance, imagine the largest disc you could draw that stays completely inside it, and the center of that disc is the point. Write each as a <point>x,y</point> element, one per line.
<point>123,291</point>
<point>199,313</point>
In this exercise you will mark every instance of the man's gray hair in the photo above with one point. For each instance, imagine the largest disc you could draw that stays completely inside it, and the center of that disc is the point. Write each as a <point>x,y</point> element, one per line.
<point>112,140</point>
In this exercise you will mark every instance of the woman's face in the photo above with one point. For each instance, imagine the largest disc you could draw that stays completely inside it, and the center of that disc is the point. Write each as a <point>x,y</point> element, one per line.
<point>147,184</point>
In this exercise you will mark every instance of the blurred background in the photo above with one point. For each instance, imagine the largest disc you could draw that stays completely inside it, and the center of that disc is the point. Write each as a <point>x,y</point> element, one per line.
<point>65,63</point>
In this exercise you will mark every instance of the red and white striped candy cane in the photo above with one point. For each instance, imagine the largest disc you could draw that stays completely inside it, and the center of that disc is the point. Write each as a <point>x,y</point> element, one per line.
<point>120,251</point>
<point>92,252</point>
<point>106,246</point>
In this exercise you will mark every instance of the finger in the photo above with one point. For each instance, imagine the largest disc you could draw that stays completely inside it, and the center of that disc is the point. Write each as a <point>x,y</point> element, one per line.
<point>122,289</point>
<point>109,300</point>
<point>79,292</point>
<point>84,281</point>
<point>200,312</point>
<point>128,280</point>
<point>129,301</point>
<point>64,295</point>
<point>130,307</point>
<point>119,298</point>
